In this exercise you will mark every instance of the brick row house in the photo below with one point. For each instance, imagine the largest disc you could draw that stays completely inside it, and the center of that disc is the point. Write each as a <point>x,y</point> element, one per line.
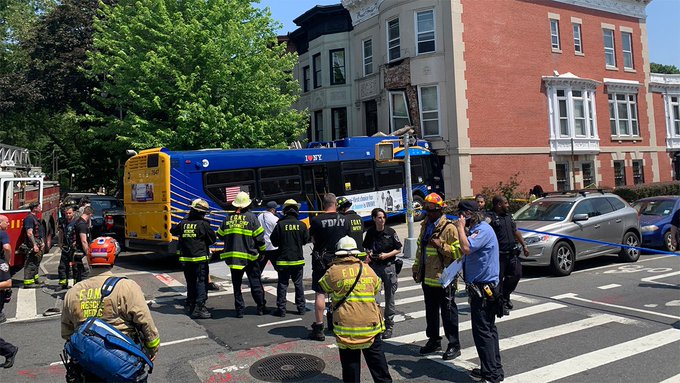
<point>555,91</point>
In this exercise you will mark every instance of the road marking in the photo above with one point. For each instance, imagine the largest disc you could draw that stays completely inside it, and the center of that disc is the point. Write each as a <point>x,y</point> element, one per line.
<point>585,362</point>
<point>184,340</point>
<point>607,287</point>
<point>279,322</point>
<point>655,277</point>
<point>516,314</point>
<point>651,305</point>
<point>672,379</point>
<point>547,333</point>
<point>168,280</point>
<point>26,304</point>
<point>576,297</point>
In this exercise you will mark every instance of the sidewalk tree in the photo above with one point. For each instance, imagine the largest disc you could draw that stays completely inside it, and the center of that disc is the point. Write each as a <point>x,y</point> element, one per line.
<point>192,74</point>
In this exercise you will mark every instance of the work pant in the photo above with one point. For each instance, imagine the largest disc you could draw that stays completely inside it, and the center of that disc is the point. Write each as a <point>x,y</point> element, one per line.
<point>6,348</point>
<point>375,360</point>
<point>437,298</point>
<point>32,266</point>
<point>388,274</point>
<point>485,335</point>
<point>252,270</point>
<point>294,273</point>
<point>510,273</point>
<point>65,269</point>
<point>196,275</point>
<point>266,256</point>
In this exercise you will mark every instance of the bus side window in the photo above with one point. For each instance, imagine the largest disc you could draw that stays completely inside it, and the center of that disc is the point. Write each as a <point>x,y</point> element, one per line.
<point>417,171</point>
<point>223,186</point>
<point>280,183</point>
<point>389,175</point>
<point>357,176</point>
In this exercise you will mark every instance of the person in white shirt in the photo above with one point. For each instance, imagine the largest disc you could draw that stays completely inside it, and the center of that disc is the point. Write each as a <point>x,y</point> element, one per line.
<point>268,220</point>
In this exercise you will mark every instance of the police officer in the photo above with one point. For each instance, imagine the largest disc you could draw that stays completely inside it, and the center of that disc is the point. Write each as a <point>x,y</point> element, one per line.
<point>438,246</point>
<point>357,321</point>
<point>67,248</point>
<point>195,237</point>
<point>289,235</point>
<point>382,246</point>
<point>325,230</point>
<point>508,238</point>
<point>125,309</point>
<point>356,224</point>
<point>243,241</point>
<point>481,269</point>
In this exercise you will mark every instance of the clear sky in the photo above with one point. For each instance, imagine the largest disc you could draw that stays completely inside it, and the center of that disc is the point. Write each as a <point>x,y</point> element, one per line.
<point>663,24</point>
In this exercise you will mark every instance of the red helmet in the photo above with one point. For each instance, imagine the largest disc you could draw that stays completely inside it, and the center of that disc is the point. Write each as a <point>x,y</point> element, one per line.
<point>435,199</point>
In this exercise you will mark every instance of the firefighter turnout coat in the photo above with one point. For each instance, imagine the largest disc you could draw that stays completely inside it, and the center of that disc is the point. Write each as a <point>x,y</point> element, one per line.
<point>435,260</point>
<point>195,237</point>
<point>289,235</point>
<point>243,239</point>
<point>359,320</point>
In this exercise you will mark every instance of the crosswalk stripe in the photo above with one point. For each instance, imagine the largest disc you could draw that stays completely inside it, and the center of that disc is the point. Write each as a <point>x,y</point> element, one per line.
<point>547,333</point>
<point>516,314</point>
<point>597,358</point>
<point>26,304</point>
<point>672,379</point>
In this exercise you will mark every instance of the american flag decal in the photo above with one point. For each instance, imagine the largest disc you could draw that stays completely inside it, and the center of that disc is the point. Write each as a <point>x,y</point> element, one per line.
<point>231,192</point>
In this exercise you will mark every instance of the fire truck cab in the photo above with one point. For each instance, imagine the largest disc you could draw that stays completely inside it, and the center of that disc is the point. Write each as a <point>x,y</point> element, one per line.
<point>21,183</point>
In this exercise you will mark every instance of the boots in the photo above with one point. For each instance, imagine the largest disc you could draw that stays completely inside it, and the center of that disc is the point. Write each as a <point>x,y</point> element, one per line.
<point>317,332</point>
<point>200,312</point>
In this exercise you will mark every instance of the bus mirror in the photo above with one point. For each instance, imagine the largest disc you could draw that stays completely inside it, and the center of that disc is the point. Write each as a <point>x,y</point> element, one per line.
<point>384,151</point>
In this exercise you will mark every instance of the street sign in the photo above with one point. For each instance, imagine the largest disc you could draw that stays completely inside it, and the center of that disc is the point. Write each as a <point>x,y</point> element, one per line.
<point>384,151</point>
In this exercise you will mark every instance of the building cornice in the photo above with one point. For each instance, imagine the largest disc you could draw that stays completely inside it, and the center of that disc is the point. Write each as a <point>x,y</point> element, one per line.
<point>659,82</point>
<point>362,10</point>
<point>573,81</point>
<point>621,86</point>
<point>632,8</point>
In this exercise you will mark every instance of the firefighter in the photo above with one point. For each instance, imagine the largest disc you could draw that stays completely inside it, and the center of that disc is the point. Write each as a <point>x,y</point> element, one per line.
<point>243,241</point>
<point>33,239</point>
<point>357,321</point>
<point>65,268</point>
<point>356,224</point>
<point>195,237</point>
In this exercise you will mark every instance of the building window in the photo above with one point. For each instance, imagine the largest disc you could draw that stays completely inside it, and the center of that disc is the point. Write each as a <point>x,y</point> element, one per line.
<point>339,123</point>
<point>578,46</point>
<point>555,34</point>
<point>627,46</point>
<point>429,110</point>
<point>337,58</point>
<point>675,114</point>
<point>393,41</point>
<point>574,111</point>
<point>305,79</point>
<point>368,57</point>
<point>588,176</point>
<point>371,116</point>
<point>609,52</point>
<point>398,110</point>
<point>623,115</point>
<point>638,172</point>
<point>318,125</point>
<point>562,177</point>
<point>425,32</point>
<point>316,62</point>
<point>619,173</point>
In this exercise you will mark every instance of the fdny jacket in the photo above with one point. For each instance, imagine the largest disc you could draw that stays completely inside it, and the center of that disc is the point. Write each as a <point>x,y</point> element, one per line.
<point>195,237</point>
<point>436,260</point>
<point>243,239</point>
<point>356,231</point>
<point>359,320</point>
<point>125,309</point>
<point>289,235</point>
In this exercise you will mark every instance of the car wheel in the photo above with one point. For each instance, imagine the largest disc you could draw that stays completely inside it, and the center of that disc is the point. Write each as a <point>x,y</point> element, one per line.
<point>668,243</point>
<point>627,254</point>
<point>418,212</point>
<point>562,262</point>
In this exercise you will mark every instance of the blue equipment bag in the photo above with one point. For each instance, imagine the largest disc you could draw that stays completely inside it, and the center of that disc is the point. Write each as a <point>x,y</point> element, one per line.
<point>104,351</point>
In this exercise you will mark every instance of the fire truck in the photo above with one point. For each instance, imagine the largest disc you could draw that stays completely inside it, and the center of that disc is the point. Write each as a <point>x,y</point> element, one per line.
<point>22,183</point>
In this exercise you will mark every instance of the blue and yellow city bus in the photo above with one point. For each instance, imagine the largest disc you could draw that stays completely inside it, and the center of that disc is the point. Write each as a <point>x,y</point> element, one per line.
<point>160,184</point>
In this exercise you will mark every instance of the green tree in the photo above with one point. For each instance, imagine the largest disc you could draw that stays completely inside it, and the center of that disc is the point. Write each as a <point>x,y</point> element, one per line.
<point>192,74</point>
<point>665,69</point>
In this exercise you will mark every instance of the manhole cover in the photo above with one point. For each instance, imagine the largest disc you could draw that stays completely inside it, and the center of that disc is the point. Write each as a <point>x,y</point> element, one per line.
<point>287,368</point>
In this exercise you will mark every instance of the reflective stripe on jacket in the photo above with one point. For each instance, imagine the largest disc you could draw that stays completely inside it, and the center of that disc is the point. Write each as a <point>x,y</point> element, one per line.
<point>289,235</point>
<point>436,260</point>
<point>194,239</point>
<point>243,239</point>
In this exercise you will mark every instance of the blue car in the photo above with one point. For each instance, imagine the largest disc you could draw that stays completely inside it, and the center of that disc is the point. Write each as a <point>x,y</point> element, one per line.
<point>655,220</point>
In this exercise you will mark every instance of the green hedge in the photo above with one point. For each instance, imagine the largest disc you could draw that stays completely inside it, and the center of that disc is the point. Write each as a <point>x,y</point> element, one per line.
<point>634,193</point>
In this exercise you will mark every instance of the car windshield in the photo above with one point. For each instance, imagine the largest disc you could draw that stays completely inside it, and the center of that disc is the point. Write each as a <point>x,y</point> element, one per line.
<point>543,210</point>
<point>661,208</point>
<point>105,204</point>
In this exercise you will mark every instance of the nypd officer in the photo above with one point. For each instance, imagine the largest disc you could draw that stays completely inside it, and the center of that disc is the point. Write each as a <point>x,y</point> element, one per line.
<point>480,268</point>
<point>195,237</point>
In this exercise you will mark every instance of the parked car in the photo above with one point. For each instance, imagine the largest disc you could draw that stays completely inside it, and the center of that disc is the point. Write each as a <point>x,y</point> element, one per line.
<point>593,215</point>
<point>655,220</point>
<point>108,218</point>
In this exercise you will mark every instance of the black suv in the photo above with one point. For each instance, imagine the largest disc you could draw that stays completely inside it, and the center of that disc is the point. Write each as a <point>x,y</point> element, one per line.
<point>108,218</point>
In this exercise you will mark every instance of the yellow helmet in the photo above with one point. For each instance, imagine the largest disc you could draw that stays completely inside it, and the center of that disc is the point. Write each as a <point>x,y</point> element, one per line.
<point>242,200</point>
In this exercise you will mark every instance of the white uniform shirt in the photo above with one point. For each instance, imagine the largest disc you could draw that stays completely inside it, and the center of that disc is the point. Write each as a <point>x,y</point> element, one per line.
<point>268,221</point>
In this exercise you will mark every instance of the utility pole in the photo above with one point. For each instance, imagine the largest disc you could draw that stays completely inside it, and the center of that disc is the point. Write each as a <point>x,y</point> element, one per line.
<point>411,241</point>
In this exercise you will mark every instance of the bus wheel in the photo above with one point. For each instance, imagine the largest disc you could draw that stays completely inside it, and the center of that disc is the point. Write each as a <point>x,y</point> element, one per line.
<point>418,212</point>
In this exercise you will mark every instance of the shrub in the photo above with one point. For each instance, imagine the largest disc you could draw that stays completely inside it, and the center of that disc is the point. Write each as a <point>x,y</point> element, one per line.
<point>634,193</point>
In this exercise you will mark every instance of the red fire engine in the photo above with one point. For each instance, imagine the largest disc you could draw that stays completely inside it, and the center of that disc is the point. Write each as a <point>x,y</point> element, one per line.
<point>20,184</point>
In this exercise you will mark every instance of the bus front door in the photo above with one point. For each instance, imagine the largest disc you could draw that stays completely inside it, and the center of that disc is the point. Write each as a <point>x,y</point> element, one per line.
<point>316,185</point>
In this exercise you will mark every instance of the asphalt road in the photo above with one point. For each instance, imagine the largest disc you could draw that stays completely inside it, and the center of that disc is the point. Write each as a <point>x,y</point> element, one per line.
<point>607,322</point>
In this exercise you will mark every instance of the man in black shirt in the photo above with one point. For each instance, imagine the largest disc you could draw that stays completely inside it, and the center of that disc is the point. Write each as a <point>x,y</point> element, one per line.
<point>33,239</point>
<point>356,224</point>
<point>82,241</point>
<point>289,235</point>
<point>508,237</point>
<point>67,248</point>
<point>8,350</point>
<point>326,230</point>
<point>195,237</point>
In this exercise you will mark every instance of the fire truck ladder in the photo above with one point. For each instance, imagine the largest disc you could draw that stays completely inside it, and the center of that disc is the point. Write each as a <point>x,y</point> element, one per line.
<point>14,157</point>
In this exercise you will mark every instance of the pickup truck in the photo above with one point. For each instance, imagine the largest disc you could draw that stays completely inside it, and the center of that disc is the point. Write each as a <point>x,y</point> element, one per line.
<point>108,218</point>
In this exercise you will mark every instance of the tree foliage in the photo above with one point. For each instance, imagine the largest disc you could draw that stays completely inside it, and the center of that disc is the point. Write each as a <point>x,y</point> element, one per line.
<point>192,74</point>
<point>665,69</point>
